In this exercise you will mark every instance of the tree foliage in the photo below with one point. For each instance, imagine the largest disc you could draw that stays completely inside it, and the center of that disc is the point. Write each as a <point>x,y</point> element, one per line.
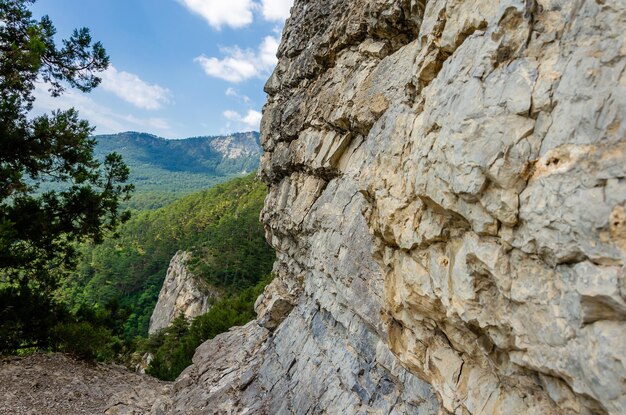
<point>221,228</point>
<point>164,171</point>
<point>39,231</point>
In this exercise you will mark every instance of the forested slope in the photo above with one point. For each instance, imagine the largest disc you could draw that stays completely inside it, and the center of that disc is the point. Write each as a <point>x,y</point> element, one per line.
<point>163,171</point>
<point>219,226</point>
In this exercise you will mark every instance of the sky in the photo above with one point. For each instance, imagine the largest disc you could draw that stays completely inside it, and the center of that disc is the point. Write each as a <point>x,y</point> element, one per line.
<point>179,68</point>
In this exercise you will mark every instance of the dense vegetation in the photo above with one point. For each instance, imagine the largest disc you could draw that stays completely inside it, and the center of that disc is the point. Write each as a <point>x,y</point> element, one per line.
<point>220,226</point>
<point>163,171</point>
<point>66,283</point>
<point>40,230</point>
<point>191,155</point>
<point>123,277</point>
<point>34,320</point>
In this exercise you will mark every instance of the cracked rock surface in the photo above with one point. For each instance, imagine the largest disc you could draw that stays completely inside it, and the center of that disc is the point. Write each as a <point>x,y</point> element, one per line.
<point>447,202</point>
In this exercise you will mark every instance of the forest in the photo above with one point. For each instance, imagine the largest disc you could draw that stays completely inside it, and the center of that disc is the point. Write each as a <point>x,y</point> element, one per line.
<point>221,228</point>
<point>102,310</point>
<point>162,171</point>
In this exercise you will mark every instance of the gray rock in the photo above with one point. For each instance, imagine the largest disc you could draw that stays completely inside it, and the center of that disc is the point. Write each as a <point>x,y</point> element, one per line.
<point>447,197</point>
<point>182,294</point>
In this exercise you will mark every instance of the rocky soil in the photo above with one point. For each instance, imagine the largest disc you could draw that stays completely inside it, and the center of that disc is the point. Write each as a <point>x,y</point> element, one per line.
<point>55,384</point>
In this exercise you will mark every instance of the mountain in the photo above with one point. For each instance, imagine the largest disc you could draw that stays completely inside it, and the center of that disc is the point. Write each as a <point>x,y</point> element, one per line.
<point>163,170</point>
<point>216,155</point>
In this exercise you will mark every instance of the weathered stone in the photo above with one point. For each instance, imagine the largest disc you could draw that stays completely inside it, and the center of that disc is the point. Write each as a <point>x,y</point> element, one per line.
<point>182,294</point>
<point>447,195</point>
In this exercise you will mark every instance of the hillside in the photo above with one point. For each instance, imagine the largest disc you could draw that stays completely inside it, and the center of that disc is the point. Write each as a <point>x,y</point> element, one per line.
<point>163,170</point>
<point>218,155</point>
<point>219,226</point>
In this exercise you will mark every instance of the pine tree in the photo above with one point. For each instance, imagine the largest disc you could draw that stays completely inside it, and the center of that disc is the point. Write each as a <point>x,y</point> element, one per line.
<point>39,231</point>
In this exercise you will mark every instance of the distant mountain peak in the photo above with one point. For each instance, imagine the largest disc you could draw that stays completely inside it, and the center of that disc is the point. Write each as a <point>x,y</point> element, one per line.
<point>236,145</point>
<point>202,154</point>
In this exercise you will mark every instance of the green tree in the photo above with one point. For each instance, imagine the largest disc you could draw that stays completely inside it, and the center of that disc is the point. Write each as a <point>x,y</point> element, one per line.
<point>219,226</point>
<point>39,230</point>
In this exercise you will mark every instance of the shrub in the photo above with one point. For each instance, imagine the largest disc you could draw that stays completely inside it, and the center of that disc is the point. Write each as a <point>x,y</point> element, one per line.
<point>84,340</point>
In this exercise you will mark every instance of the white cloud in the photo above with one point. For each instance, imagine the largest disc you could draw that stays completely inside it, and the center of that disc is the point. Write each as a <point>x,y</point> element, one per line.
<point>102,117</point>
<point>238,13</point>
<point>233,13</point>
<point>134,90</point>
<point>276,10</point>
<point>237,67</point>
<point>242,64</point>
<point>267,52</point>
<point>250,121</point>
<point>233,93</point>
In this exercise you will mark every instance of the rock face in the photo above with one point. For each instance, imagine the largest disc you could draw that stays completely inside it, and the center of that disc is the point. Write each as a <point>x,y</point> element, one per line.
<point>182,293</point>
<point>447,201</point>
<point>237,145</point>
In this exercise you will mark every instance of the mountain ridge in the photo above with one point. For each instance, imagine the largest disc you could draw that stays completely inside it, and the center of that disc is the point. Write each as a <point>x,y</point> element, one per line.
<point>163,170</point>
<point>205,154</point>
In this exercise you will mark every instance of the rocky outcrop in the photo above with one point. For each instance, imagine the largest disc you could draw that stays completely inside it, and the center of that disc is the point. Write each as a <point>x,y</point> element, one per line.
<point>237,145</point>
<point>182,294</point>
<point>447,195</point>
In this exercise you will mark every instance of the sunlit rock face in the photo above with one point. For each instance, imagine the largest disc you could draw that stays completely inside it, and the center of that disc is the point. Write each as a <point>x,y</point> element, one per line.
<point>237,145</point>
<point>182,293</point>
<point>447,196</point>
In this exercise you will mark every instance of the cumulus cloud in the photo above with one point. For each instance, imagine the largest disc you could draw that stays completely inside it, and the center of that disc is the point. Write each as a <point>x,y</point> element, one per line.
<point>218,13</point>
<point>276,10</point>
<point>242,64</point>
<point>238,13</point>
<point>238,66</point>
<point>267,52</point>
<point>102,117</point>
<point>134,90</point>
<point>251,120</point>
<point>233,93</point>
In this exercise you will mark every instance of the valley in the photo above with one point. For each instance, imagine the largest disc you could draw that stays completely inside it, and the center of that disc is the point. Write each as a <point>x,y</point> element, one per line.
<point>198,196</point>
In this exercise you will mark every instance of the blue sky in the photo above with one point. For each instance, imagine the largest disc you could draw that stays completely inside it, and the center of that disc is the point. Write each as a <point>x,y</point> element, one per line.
<point>179,68</point>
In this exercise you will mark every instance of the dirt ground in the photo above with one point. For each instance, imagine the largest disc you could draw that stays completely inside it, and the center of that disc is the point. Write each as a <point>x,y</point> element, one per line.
<point>56,384</point>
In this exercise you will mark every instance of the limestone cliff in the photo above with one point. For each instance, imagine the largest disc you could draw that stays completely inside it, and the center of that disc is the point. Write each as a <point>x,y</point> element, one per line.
<point>237,145</point>
<point>182,294</point>
<point>447,196</point>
